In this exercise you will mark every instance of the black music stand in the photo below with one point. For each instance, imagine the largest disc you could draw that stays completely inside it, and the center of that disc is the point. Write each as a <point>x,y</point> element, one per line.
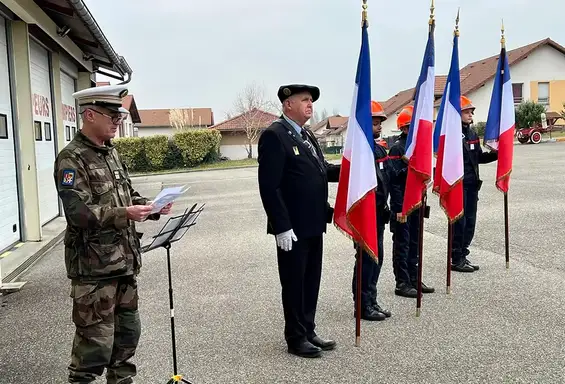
<point>173,230</point>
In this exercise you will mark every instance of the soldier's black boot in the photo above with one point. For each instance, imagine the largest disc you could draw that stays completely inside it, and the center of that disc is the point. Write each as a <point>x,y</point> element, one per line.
<point>406,290</point>
<point>462,267</point>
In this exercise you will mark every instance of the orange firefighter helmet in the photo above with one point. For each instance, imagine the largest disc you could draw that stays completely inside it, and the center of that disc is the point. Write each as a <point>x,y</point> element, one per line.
<point>466,103</point>
<point>405,116</point>
<point>377,110</point>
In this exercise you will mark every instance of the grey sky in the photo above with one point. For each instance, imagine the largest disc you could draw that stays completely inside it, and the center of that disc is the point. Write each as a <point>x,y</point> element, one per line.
<point>201,53</point>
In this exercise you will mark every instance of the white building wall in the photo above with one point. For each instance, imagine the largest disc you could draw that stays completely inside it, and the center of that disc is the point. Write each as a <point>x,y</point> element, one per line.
<point>144,132</point>
<point>544,64</point>
<point>236,151</point>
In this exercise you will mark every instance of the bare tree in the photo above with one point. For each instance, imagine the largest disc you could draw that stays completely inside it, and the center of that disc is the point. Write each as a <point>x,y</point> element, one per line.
<point>335,112</point>
<point>181,118</point>
<point>324,115</point>
<point>250,105</point>
<point>315,118</point>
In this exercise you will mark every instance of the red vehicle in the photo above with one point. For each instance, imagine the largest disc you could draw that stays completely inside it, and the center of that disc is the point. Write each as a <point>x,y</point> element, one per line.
<point>533,134</point>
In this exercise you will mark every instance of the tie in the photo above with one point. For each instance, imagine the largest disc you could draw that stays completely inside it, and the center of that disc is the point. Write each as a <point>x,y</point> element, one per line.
<point>308,144</point>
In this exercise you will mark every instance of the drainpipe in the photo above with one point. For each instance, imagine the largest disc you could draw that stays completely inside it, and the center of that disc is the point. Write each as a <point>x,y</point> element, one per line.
<point>86,17</point>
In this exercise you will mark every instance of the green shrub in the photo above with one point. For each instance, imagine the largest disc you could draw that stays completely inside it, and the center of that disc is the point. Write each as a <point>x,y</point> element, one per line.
<point>132,152</point>
<point>187,148</point>
<point>196,144</point>
<point>156,148</point>
<point>480,128</point>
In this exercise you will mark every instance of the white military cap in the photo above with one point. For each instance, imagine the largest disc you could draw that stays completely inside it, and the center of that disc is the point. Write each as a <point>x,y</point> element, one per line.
<point>107,96</point>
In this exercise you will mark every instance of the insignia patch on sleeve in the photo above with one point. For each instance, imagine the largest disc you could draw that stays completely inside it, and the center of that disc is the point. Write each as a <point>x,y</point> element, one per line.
<point>68,179</point>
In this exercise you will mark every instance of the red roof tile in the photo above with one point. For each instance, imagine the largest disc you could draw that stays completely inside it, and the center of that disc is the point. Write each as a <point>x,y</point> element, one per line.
<point>239,122</point>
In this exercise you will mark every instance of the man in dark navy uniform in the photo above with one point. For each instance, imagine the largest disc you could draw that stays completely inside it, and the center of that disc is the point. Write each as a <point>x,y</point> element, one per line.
<point>405,236</point>
<point>293,184</point>
<point>370,269</point>
<point>473,155</point>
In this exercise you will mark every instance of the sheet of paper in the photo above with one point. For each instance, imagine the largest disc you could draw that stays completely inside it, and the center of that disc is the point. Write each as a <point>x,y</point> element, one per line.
<point>167,196</point>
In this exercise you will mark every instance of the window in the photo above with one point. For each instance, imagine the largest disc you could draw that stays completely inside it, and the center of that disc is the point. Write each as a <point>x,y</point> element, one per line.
<point>3,126</point>
<point>543,93</point>
<point>74,131</point>
<point>47,128</point>
<point>67,133</point>
<point>38,133</point>
<point>517,91</point>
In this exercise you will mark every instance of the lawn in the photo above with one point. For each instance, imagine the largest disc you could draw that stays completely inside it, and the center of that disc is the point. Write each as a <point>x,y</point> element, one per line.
<point>219,165</point>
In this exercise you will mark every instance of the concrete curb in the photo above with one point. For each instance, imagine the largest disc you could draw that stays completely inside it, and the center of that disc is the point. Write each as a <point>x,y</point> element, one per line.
<point>24,255</point>
<point>188,170</point>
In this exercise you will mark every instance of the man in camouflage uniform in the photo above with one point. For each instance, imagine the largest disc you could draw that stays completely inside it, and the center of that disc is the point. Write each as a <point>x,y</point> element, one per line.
<point>102,247</point>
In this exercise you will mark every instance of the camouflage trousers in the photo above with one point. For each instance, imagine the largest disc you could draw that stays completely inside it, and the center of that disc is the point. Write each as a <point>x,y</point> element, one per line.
<point>107,330</point>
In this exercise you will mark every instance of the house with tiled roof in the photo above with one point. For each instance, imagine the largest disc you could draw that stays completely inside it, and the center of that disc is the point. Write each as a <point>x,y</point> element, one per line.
<point>127,129</point>
<point>158,122</point>
<point>240,134</point>
<point>330,131</point>
<point>537,71</point>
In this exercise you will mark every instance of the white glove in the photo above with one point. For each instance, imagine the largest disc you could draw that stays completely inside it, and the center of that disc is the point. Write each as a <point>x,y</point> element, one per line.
<point>284,240</point>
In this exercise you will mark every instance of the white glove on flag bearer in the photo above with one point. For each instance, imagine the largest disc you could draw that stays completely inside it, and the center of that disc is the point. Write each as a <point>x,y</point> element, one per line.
<point>284,240</point>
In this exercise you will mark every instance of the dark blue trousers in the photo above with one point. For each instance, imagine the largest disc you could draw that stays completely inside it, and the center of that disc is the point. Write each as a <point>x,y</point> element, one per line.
<point>405,238</point>
<point>370,271</point>
<point>464,228</point>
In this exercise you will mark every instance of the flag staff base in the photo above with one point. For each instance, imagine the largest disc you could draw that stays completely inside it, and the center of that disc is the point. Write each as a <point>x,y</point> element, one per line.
<point>358,298</point>
<point>506,236</point>
<point>418,312</point>
<point>448,290</point>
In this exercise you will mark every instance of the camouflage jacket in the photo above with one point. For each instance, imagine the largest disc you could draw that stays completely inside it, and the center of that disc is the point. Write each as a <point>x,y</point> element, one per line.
<point>94,186</point>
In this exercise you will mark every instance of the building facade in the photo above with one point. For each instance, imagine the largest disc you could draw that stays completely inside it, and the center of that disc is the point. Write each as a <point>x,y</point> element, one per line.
<point>537,71</point>
<point>44,58</point>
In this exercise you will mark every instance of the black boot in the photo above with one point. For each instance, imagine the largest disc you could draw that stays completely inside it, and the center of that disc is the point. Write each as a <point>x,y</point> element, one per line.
<point>371,314</point>
<point>462,267</point>
<point>378,308</point>
<point>474,266</point>
<point>406,290</point>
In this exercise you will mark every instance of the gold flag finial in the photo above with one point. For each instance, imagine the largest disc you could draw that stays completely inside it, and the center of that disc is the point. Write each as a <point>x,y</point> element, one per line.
<point>502,39</point>
<point>364,20</point>
<point>432,7</point>
<point>457,23</point>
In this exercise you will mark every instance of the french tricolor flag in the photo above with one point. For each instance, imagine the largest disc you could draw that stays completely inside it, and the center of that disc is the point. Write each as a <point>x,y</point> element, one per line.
<point>355,208</point>
<point>499,130</point>
<point>447,143</point>
<point>419,143</point>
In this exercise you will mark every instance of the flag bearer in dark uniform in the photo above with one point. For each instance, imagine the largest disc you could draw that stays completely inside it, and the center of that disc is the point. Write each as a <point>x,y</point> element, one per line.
<point>293,184</point>
<point>473,155</point>
<point>371,269</point>
<point>405,236</point>
<point>102,247</point>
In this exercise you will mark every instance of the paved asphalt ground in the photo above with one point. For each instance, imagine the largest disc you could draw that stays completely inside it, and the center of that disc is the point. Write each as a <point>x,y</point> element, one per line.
<point>498,326</point>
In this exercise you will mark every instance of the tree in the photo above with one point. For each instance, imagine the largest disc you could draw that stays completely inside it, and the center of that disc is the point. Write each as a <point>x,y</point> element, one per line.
<point>324,115</point>
<point>181,118</point>
<point>562,113</point>
<point>528,114</point>
<point>250,105</point>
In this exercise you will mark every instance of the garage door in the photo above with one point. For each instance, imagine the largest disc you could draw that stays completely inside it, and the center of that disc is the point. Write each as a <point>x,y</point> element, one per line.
<point>9,209</point>
<point>69,108</point>
<point>44,132</point>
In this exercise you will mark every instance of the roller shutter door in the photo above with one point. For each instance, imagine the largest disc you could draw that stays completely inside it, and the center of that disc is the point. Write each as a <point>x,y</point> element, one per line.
<point>44,132</point>
<point>9,208</point>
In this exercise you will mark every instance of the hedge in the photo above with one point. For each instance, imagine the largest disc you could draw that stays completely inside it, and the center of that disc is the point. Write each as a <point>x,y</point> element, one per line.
<point>187,148</point>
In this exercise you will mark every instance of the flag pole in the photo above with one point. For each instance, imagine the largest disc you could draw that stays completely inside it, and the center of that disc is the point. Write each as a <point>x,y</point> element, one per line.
<point>431,23</point>
<point>506,231</point>
<point>449,223</point>
<point>364,23</point>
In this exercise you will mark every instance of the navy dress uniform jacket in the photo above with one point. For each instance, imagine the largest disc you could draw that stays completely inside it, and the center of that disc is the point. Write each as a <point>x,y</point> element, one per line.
<point>293,183</point>
<point>473,155</point>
